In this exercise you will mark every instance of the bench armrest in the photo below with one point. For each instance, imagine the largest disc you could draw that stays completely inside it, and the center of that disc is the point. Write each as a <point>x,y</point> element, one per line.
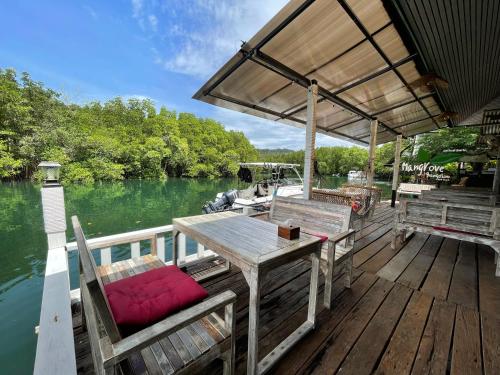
<point>114,353</point>
<point>342,236</point>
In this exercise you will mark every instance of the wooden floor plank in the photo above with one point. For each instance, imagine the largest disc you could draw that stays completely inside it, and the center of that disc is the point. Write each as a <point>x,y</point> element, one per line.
<point>396,266</point>
<point>463,287</point>
<point>379,260</point>
<point>400,353</point>
<point>415,273</point>
<point>466,351</point>
<point>363,357</point>
<point>348,331</point>
<point>309,346</point>
<point>489,284</point>
<point>438,280</point>
<point>434,349</point>
<point>373,248</point>
<point>490,338</point>
<point>365,241</point>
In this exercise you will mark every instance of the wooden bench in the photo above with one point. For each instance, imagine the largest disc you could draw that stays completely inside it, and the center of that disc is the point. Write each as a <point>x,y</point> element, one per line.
<point>467,196</point>
<point>347,194</point>
<point>184,342</point>
<point>320,218</point>
<point>465,222</point>
<point>412,189</point>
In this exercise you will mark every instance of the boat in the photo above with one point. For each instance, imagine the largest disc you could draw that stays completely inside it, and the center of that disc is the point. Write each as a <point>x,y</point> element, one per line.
<point>359,176</point>
<point>282,179</point>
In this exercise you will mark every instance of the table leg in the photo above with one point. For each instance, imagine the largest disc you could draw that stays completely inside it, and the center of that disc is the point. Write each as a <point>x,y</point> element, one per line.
<point>175,234</point>
<point>253,322</point>
<point>313,287</point>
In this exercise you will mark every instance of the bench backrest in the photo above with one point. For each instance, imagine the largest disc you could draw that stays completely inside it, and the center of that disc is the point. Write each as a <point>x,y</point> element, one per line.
<point>481,220</point>
<point>94,284</point>
<point>415,187</point>
<point>314,216</point>
<point>461,196</point>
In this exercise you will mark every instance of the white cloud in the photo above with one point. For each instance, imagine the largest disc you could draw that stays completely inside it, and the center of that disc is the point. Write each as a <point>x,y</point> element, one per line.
<point>270,134</point>
<point>91,12</point>
<point>137,6</point>
<point>200,35</point>
<point>153,21</point>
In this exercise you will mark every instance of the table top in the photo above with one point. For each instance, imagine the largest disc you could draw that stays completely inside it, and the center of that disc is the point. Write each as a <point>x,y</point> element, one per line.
<point>244,238</point>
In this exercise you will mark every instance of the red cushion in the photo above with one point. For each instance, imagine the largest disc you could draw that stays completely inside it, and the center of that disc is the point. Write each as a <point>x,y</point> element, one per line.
<point>150,296</point>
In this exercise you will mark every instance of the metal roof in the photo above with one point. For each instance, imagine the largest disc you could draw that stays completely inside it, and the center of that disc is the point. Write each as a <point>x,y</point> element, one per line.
<point>460,41</point>
<point>363,54</point>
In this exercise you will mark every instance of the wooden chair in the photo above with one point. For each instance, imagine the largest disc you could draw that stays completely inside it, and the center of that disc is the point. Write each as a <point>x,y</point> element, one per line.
<point>184,342</point>
<point>465,222</point>
<point>320,218</point>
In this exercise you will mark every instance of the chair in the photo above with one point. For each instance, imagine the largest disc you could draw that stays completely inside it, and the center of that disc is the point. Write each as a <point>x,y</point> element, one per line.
<point>157,346</point>
<point>326,220</point>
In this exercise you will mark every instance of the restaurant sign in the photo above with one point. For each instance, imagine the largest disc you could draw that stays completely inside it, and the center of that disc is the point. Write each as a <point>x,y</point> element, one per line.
<point>426,170</point>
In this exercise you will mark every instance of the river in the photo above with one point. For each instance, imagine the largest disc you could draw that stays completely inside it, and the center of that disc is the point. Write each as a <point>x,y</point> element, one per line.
<point>103,209</point>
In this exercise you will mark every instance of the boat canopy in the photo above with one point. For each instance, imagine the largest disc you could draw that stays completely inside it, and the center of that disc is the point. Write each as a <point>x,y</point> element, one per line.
<point>382,60</point>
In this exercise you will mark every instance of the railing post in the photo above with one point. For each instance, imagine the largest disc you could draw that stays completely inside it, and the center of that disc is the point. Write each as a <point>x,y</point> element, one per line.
<point>181,256</point>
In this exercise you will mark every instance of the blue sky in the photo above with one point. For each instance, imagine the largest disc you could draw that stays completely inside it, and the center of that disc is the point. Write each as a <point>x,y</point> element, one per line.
<point>160,49</point>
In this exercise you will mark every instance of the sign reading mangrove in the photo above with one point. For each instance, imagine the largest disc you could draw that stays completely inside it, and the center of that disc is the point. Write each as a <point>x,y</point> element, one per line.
<point>426,170</point>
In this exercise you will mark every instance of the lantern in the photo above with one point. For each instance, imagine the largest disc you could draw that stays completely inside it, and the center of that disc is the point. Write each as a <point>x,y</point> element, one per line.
<point>50,171</point>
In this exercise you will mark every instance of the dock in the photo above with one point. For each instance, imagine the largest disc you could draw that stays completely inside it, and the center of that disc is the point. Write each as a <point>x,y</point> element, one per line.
<point>429,307</point>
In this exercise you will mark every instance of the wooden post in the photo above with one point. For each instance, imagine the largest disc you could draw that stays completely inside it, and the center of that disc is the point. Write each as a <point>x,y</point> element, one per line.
<point>371,152</point>
<point>395,172</point>
<point>312,98</point>
<point>496,179</point>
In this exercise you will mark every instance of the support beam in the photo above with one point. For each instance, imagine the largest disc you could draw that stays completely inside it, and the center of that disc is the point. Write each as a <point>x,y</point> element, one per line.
<point>371,153</point>
<point>312,99</point>
<point>395,173</point>
<point>285,71</point>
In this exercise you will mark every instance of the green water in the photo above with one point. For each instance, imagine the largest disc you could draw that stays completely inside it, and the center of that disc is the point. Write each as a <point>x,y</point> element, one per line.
<point>103,209</point>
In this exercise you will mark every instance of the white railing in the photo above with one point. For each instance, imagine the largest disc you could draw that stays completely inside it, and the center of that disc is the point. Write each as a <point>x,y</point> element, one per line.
<point>156,236</point>
<point>55,352</point>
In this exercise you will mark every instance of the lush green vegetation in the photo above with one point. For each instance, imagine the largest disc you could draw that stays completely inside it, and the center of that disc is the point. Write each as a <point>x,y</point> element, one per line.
<point>108,141</point>
<point>336,160</point>
<point>122,139</point>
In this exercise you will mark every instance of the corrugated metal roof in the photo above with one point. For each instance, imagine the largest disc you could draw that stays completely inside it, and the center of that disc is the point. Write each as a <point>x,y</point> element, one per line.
<point>460,41</point>
<point>363,68</point>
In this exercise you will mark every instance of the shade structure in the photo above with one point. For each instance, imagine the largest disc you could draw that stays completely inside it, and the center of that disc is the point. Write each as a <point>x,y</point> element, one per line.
<point>363,55</point>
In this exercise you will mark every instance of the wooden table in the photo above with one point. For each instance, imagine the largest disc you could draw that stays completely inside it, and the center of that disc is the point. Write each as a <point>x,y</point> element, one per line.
<point>254,246</point>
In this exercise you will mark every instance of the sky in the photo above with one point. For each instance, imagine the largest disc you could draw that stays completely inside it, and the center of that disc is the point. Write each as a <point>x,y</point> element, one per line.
<point>164,50</point>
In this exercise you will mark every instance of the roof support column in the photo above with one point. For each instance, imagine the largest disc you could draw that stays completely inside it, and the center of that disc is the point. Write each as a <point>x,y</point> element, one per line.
<point>496,179</point>
<point>395,172</point>
<point>371,152</point>
<point>312,99</point>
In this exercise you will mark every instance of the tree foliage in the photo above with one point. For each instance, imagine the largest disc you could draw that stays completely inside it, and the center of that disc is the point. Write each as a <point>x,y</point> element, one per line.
<point>337,159</point>
<point>108,141</point>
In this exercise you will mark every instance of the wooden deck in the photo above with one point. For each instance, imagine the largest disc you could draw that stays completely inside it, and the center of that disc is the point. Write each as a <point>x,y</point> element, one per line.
<point>431,307</point>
